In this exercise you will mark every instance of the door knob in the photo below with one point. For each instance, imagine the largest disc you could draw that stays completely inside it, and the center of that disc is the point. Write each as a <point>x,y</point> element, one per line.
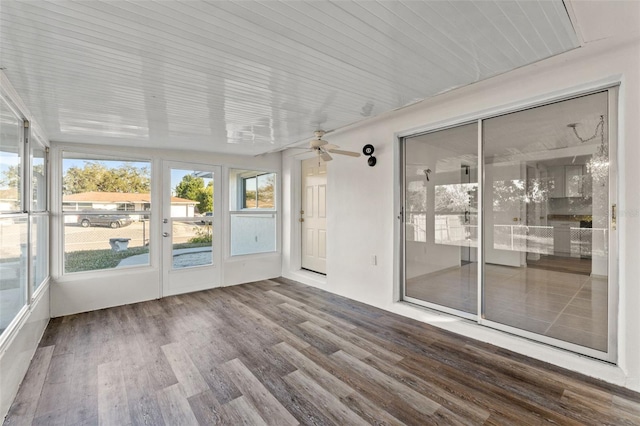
<point>165,234</point>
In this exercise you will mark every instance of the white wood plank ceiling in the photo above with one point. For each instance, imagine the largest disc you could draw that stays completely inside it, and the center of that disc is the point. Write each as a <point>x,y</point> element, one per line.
<point>249,77</point>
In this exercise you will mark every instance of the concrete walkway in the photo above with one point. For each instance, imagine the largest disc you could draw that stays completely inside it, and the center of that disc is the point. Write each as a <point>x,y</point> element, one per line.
<point>143,259</point>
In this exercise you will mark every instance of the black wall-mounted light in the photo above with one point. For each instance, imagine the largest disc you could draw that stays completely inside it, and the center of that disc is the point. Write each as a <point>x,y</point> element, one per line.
<point>368,150</point>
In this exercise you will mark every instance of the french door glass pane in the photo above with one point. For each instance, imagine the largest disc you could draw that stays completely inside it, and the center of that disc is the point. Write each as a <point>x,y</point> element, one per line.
<point>546,220</point>
<point>441,217</point>
<point>191,218</point>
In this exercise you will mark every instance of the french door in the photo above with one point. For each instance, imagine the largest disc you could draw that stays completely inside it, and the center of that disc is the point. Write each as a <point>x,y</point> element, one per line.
<point>510,221</point>
<point>191,244</point>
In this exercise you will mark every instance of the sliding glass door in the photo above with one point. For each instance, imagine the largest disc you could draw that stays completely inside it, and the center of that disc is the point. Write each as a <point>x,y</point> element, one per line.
<point>546,233</point>
<point>441,210</point>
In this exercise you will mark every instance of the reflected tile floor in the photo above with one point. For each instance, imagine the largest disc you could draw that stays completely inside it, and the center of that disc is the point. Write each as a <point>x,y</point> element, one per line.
<point>566,306</point>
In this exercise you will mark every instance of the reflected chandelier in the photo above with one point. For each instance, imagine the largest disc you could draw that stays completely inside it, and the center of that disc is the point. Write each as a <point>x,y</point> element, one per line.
<point>598,164</point>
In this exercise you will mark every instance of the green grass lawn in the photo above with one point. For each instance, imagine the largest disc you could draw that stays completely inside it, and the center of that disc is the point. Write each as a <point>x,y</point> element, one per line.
<point>89,260</point>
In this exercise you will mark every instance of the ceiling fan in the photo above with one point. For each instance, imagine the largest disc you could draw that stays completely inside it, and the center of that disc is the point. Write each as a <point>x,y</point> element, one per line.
<point>323,148</point>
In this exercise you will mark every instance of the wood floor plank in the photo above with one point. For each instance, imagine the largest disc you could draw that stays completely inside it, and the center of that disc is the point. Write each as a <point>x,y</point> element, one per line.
<point>54,396</point>
<point>369,411</point>
<point>84,390</point>
<point>206,408</point>
<point>368,345</point>
<point>281,298</point>
<point>323,400</point>
<point>184,369</point>
<point>208,360</point>
<point>113,408</point>
<point>272,411</point>
<point>23,409</point>
<point>54,418</point>
<point>414,399</point>
<point>278,352</point>
<point>447,399</point>
<point>379,395</point>
<point>267,324</point>
<point>175,408</point>
<point>326,335</point>
<point>304,314</point>
<point>320,375</point>
<point>333,319</point>
<point>241,412</point>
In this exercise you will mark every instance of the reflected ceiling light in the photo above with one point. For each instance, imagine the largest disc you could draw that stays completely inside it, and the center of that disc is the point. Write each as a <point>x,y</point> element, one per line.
<point>598,164</point>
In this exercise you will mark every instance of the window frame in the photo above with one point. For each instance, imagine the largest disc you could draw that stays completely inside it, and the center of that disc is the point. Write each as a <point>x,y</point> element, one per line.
<point>610,86</point>
<point>243,192</point>
<point>237,191</point>
<point>68,153</point>
<point>29,139</point>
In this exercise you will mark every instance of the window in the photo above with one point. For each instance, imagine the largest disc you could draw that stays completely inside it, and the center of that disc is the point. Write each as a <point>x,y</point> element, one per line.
<point>253,212</point>
<point>39,218</point>
<point>127,207</point>
<point>258,191</point>
<point>106,205</point>
<point>24,219</point>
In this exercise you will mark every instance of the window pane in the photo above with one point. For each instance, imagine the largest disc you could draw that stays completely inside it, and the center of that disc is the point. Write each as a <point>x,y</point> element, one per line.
<point>38,179</point>
<point>546,221</point>
<point>13,268</point>
<point>441,217</point>
<point>192,243</point>
<point>250,193</point>
<point>94,183</point>
<point>10,159</point>
<point>252,233</point>
<point>191,193</point>
<point>266,185</point>
<point>39,249</point>
<point>105,241</point>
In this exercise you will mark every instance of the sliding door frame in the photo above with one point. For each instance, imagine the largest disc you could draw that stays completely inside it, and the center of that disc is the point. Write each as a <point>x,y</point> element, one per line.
<point>612,89</point>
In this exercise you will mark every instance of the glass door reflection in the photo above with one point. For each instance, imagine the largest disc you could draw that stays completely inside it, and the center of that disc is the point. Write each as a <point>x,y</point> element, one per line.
<point>441,218</point>
<point>546,222</point>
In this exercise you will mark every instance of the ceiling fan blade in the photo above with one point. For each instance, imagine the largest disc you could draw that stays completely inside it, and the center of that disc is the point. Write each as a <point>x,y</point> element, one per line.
<point>325,156</point>
<point>341,152</point>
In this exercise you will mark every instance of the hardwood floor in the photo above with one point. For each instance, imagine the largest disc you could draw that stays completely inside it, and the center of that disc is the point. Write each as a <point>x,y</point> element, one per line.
<point>277,352</point>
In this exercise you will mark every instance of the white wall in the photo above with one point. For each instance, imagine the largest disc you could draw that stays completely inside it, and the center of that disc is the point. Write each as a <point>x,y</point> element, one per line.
<point>86,291</point>
<point>363,201</point>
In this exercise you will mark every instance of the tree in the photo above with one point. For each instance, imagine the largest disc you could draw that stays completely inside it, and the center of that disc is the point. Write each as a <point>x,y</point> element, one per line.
<point>193,188</point>
<point>97,176</point>
<point>189,187</point>
<point>11,177</point>
<point>205,198</point>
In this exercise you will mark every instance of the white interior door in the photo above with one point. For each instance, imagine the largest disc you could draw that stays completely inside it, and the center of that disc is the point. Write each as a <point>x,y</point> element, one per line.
<point>313,215</point>
<point>191,228</point>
